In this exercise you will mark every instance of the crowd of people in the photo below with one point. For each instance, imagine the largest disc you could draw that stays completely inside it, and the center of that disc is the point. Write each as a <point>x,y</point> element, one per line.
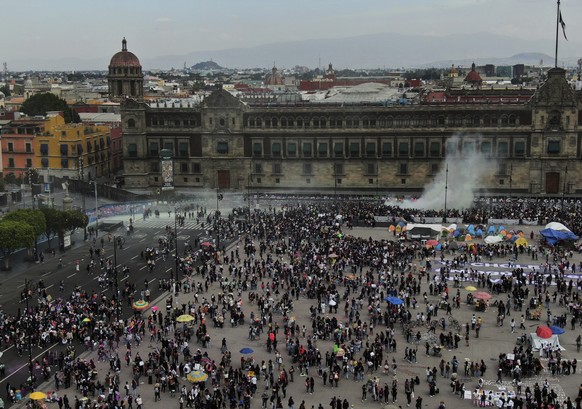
<point>277,259</point>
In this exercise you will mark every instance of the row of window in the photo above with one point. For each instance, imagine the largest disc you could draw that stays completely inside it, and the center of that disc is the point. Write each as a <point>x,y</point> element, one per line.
<point>183,148</point>
<point>27,147</point>
<point>183,167</point>
<point>388,149</point>
<point>354,149</point>
<point>169,123</point>
<point>76,149</point>
<point>12,163</point>
<point>385,122</point>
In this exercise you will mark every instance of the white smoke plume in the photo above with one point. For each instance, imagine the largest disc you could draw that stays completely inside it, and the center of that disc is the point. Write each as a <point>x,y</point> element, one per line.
<point>466,171</point>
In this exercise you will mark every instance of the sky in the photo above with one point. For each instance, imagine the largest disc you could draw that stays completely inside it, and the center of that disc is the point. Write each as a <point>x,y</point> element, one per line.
<point>84,29</point>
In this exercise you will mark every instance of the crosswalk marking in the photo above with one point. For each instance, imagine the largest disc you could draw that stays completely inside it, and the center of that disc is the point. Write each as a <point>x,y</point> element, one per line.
<point>153,223</point>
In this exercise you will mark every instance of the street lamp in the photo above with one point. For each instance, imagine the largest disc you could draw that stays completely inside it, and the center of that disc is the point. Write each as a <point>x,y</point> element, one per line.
<point>82,188</point>
<point>446,192</point>
<point>564,187</point>
<point>29,328</point>
<point>219,197</point>
<point>94,182</point>
<point>510,180</point>
<point>115,274</point>
<point>176,209</point>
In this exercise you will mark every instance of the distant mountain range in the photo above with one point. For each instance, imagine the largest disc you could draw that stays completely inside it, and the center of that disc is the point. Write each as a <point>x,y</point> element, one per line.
<point>386,50</point>
<point>206,65</point>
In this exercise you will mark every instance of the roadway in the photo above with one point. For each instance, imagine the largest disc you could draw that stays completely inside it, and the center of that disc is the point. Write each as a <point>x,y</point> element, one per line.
<point>146,234</point>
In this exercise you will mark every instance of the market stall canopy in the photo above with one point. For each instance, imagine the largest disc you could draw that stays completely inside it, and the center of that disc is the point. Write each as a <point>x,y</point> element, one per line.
<point>557,226</point>
<point>538,342</point>
<point>553,236</point>
<point>543,331</point>
<point>492,239</point>
<point>423,231</point>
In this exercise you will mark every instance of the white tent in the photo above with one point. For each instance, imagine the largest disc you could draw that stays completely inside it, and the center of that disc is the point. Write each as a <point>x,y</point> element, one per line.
<point>557,226</point>
<point>492,239</point>
<point>538,342</point>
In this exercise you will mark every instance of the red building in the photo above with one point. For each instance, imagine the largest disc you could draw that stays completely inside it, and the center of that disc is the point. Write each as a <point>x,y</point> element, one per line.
<point>18,145</point>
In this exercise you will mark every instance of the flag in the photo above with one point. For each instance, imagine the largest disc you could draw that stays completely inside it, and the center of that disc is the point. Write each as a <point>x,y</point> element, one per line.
<point>563,26</point>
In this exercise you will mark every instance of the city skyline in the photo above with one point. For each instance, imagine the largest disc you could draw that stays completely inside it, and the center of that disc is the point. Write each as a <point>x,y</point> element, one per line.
<point>88,34</point>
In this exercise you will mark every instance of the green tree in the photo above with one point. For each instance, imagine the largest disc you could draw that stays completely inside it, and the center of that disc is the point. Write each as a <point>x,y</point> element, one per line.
<point>40,104</point>
<point>73,219</point>
<point>55,223</point>
<point>5,90</point>
<point>34,218</point>
<point>14,236</point>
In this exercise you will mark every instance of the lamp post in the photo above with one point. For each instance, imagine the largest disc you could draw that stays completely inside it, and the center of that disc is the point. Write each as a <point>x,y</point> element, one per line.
<point>82,188</point>
<point>510,180</point>
<point>94,182</point>
<point>446,192</point>
<point>115,275</point>
<point>176,245</point>
<point>29,328</point>
<point>219,197</point>
<point>564,187</point>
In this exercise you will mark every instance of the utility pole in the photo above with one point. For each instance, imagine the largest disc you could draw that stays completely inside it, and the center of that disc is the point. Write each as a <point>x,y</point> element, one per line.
<point>219,197</point>
<point>446,192</point>
<point>115,276</point>
<point>96,208</point>
<point>82,187</point>
<point>176,209</point>
<point>29,328</point>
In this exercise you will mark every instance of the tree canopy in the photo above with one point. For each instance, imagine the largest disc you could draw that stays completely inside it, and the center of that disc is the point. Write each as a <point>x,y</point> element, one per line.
<point>34,218</point>
<point>40,104</point>
<point>54,223</point>
<point>14,236</point>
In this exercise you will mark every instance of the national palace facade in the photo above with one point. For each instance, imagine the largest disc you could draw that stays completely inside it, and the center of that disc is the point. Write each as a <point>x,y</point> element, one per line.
<point>226,143</point>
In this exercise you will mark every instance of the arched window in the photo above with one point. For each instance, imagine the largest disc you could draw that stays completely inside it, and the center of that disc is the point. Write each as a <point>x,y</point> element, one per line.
<point>131,123</point>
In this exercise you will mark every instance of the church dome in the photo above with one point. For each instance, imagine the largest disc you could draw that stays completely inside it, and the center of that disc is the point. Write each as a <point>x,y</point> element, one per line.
<point>274,78</point>
<point>124,58</point>
<point>473,76</point>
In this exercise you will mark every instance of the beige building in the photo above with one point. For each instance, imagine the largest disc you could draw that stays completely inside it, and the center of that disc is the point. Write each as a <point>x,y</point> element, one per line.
<point>225,143</point>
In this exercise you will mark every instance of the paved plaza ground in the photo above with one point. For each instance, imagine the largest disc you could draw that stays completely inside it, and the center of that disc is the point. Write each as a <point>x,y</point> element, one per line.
<point>492,341</point>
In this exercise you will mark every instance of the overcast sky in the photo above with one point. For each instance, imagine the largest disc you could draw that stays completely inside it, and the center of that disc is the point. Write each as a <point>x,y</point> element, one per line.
<point>86,29</point>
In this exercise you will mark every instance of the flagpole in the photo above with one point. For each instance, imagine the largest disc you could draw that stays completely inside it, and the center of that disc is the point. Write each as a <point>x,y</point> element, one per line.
<point>557,25</point>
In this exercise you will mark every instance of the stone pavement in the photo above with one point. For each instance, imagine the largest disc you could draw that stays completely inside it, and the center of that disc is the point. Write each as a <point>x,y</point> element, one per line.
<point>493,340</point>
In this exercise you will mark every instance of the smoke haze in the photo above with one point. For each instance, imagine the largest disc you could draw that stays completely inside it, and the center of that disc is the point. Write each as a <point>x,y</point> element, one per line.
<point>465,172</point>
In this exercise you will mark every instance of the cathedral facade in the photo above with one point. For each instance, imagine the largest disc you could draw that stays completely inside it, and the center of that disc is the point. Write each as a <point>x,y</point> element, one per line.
<point>227,144</point>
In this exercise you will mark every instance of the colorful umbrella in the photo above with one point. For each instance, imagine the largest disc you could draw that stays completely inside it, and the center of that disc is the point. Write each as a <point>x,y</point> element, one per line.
<point>543,331</point>
<point>37,395</point>
<point>246,351</point>
<point>86,319</point>
<point>185,318</point>
<point>557,330</point>
<point>155,308</point>
<point>483,296</point>
<point>471,288</point>
<point>140,305</point>
<point>206,244</point>
<point>394,300</point>
<point>432,243</point>
<point>197,376</point>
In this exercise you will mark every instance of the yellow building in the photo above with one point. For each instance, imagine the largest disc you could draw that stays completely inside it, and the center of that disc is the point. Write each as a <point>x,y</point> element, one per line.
<point>74,151</point>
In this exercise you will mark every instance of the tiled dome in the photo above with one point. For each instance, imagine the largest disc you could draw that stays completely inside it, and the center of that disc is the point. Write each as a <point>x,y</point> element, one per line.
<point>124,58</point>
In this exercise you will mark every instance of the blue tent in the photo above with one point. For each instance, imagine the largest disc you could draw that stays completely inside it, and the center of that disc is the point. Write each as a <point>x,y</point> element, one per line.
<point>500,228</point>
<point>553,236</point>
<point>491,230</point>
<point>479,233</point>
